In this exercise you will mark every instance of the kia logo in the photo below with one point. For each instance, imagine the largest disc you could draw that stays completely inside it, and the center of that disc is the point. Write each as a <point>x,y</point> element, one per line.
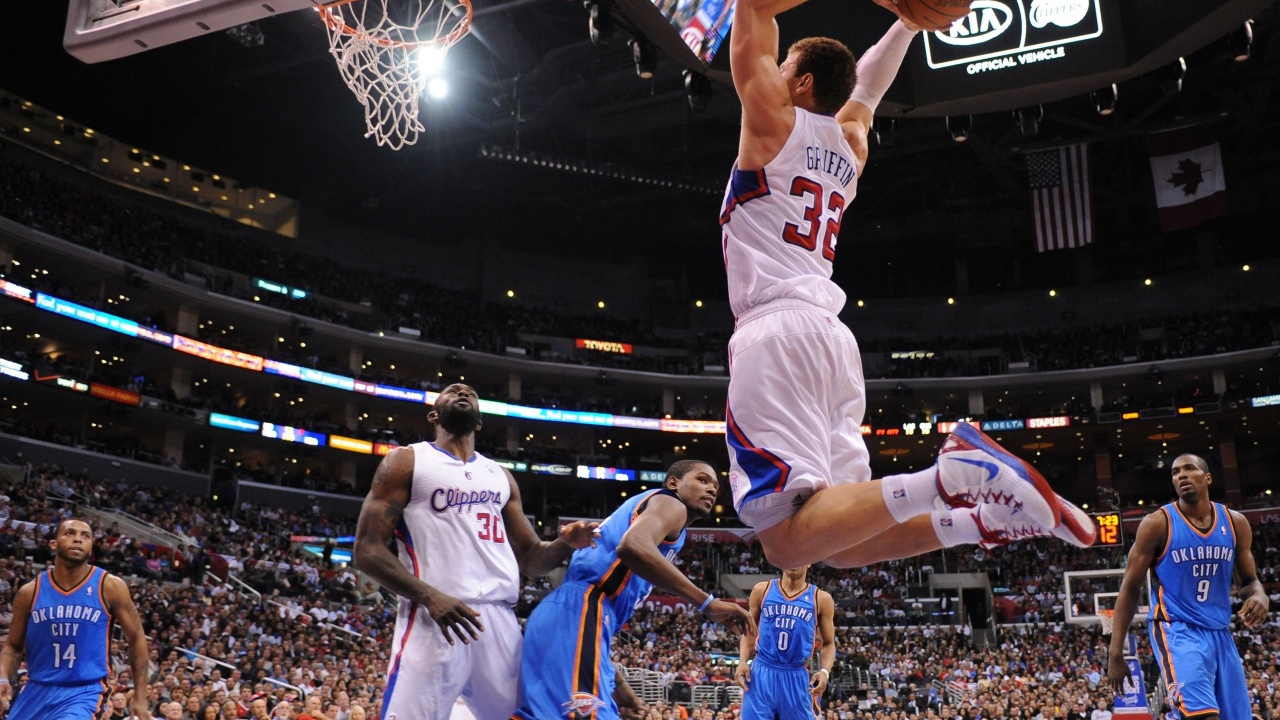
<point>1063,13</point>
<point>987,19</point>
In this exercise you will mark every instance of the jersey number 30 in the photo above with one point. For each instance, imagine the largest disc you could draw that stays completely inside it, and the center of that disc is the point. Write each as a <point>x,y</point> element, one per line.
<point>807,236</point>
<point>491,527</point>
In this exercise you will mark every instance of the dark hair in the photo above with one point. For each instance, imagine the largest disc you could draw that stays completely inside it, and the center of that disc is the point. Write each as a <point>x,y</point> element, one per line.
<point>682,467</point>
<point>1200,462</point>
<point>75,518</point>
<point>833,70</point>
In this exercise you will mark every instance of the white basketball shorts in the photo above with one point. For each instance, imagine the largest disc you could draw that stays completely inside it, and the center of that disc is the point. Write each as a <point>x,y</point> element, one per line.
<point>794,416</point>
<point>427,675</point>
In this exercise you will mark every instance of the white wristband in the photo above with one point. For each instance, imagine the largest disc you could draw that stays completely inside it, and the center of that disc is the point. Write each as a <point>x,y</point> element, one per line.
<point>5,681</point>
<point>706,603</point>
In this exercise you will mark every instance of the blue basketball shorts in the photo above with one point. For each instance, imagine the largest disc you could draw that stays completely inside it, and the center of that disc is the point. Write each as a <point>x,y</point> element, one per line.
<point>1202,670</point>
<point>566,672</point>
<point>777,693</point>
<point>40,701</point>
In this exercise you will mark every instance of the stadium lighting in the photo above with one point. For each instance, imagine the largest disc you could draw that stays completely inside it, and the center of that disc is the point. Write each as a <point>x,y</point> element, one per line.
<point>431,61</point>
<point>599,23</point>
<point>1029,119</point>
<point>437,88</point>
<point>1170,77</point>
<point>1242,42</point>
<point>698,89</point>
<point>645,57</point>
<point>1104,100</point>
<point>959,126</point>
<point>884,129</point>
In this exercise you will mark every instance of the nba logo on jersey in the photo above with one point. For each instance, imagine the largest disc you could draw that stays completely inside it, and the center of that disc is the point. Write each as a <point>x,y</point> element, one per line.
<point>89,590</point>
<point>582,704</point>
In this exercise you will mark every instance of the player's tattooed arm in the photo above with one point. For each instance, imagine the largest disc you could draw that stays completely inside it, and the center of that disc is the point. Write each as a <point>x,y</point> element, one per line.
<point>537,557</point>
<point>15,645</point>
<point>126,615</point>
<point>1256,603</point>
<point>380,519</point>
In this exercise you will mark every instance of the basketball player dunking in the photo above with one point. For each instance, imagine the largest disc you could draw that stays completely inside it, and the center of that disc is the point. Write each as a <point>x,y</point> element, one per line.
<point>1196,548</point>
<point>462,537</point>
<point>799,468</point>
<point>62,624</point>
<point>789,613</point>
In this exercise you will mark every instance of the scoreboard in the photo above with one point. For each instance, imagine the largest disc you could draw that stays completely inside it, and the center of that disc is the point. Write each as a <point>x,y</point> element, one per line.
<point>1110,529</point>
<point>1007,44</point>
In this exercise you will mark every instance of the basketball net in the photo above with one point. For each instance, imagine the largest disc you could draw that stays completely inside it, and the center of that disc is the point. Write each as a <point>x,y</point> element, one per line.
<point>1107,618</point>
<point>383,56</point>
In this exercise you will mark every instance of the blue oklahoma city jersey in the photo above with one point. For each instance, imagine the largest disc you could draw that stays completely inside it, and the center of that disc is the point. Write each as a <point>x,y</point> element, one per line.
<point>1193,575</point>
<point>787,625</point>
<point>600,566</point>
<point>67,631</point>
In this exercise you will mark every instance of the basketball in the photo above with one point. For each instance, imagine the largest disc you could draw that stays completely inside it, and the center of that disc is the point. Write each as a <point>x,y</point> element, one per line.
<point>933,14</point>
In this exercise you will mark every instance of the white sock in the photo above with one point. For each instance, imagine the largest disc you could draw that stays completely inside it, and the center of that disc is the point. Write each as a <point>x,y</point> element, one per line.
<point>910,494</point>
<point>956,527</point>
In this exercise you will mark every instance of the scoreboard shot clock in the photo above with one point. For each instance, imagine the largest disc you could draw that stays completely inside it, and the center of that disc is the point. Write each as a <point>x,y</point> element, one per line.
<point>1110,529</point>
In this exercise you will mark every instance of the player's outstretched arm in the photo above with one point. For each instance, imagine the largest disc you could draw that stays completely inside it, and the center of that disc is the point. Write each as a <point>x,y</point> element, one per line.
<point>1150,541</point>
<point>15,644</point>
<point>664,517</point>
<point>120,603</point>
<point>380,515</point>
<point>877,69</point>
<point>1256,603</point>
<point>537,557</point>
<point>827,631</point>
<point>767,112</point>
<point>747,643</point>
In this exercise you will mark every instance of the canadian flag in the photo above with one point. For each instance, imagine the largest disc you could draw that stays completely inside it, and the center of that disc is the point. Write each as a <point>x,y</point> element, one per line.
<point>1191,186</point>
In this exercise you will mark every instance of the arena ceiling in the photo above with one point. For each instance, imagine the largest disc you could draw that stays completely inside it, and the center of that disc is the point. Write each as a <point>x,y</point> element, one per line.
<point>277,115</point>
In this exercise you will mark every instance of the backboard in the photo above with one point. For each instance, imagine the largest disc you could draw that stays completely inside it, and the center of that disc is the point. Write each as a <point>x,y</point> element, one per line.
<point>99,30</point>
<point>1087,591</point>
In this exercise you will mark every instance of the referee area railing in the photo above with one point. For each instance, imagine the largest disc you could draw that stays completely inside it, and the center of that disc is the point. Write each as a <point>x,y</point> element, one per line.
<point>193,654</point>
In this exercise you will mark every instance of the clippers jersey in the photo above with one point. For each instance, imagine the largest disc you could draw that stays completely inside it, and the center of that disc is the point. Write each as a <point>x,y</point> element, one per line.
<point>455,512</point>
<point>600,566</point>
<point>780,222</point>
<point>1194,573</point>
<point>67,632</point>
<point>787,625</point>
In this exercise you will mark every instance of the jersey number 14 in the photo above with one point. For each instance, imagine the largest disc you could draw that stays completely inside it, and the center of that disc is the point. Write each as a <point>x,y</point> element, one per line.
<point>61,656</point>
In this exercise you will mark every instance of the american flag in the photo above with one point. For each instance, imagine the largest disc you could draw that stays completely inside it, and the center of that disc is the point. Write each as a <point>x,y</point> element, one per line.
<point>1061,197</point>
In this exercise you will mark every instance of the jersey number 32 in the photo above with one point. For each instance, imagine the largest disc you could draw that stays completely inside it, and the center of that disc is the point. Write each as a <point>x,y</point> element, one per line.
<point>805,233</point>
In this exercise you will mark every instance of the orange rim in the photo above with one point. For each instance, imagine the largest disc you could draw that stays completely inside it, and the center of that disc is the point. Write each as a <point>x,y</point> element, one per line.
<point>338,25</point>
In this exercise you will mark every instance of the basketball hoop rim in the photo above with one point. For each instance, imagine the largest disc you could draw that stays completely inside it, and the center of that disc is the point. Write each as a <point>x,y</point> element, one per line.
<point>336,24</point>
<point>1107,620</point>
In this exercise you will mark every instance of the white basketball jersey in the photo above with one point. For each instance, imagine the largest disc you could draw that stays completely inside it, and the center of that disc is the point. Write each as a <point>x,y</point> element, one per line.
<point>780,222</point>
<point>452,536</point>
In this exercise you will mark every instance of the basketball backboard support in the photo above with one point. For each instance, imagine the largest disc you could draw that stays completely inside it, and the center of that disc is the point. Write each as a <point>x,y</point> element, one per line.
<point>99,30</point>
<point>1087,591</point>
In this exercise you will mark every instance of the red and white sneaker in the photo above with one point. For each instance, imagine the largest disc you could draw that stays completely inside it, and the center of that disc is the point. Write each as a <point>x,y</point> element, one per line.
<point>1001,525</point>
<point>973,470</point>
